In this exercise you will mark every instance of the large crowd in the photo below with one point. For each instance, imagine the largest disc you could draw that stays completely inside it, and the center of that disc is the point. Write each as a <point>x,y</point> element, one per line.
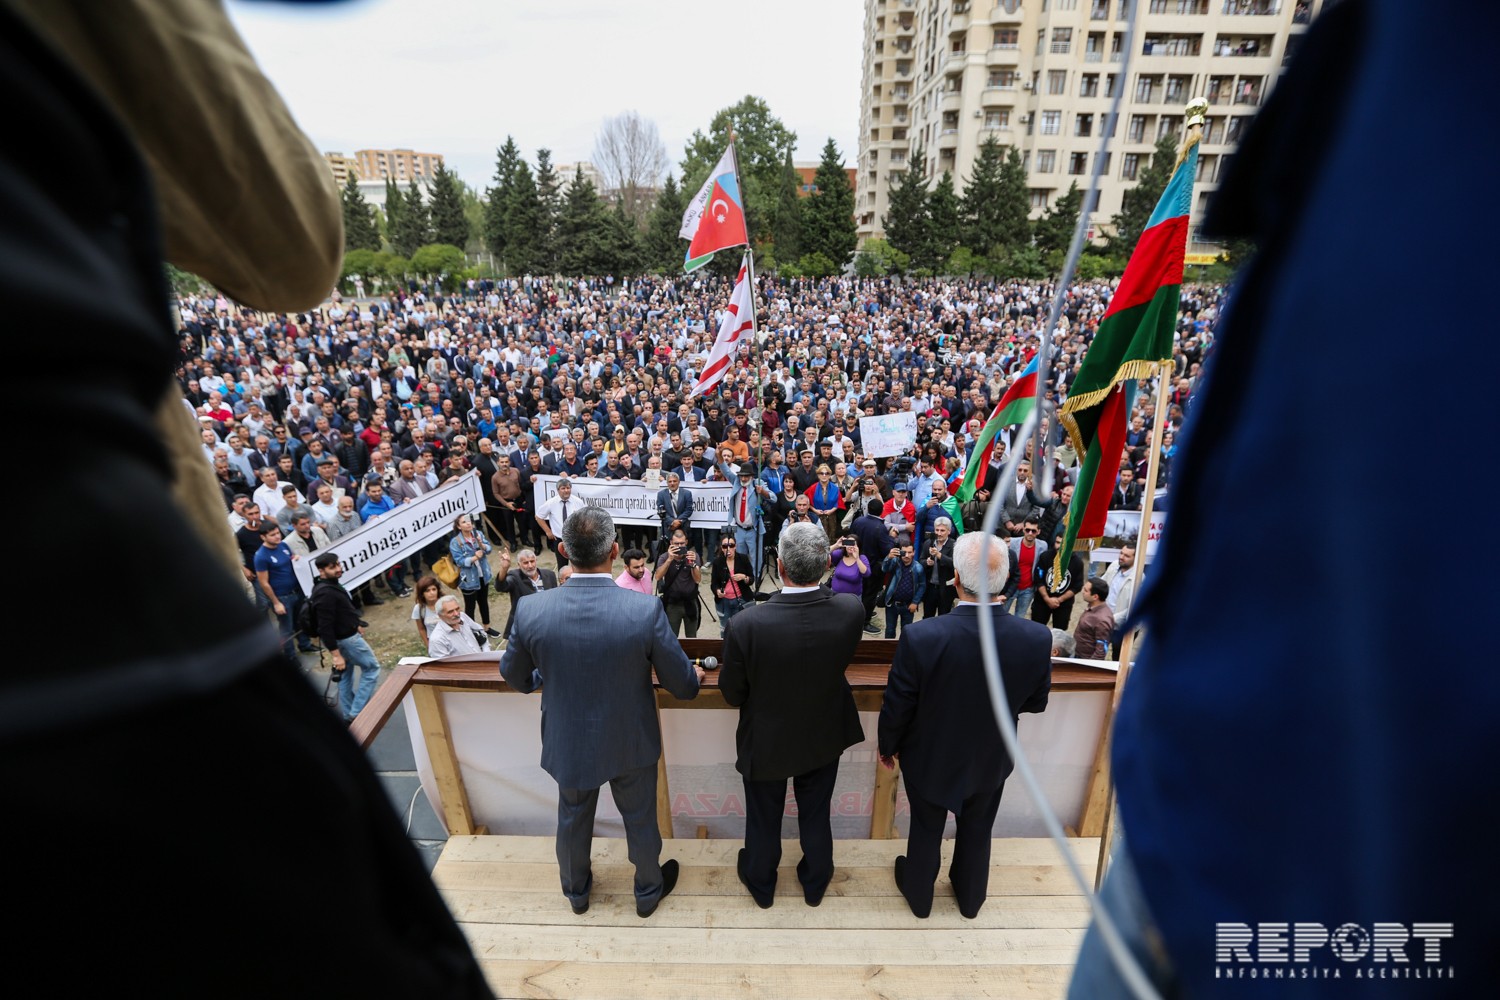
<point>317,422</point>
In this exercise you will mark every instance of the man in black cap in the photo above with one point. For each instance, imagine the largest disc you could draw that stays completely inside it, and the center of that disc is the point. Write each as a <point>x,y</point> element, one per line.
<point>746,519</point>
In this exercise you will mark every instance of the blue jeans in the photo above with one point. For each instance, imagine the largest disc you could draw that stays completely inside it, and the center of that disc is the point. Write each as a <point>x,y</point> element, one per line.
<point>1094,975</point>
<point>728,609</point>
<point>1019,603</point>
<point>287,625</point>
<point>357,653</point>
<point>747,543</point>
<point>893,613</point>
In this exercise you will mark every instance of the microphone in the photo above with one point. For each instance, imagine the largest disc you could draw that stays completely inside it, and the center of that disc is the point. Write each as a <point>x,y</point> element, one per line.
<point>707,663</point>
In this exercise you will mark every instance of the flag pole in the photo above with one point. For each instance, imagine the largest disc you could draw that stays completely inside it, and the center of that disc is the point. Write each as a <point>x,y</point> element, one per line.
<point>739,180</point>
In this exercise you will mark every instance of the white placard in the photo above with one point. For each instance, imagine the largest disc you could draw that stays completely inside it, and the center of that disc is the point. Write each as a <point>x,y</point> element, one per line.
<point>883,436</point>
<point>632,502</point>
<point>385,540</point>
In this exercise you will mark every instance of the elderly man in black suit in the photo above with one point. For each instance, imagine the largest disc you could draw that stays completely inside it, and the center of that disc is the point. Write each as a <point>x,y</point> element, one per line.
<point>527,578</point>
<point>936,718</point>
<point>784,665</point>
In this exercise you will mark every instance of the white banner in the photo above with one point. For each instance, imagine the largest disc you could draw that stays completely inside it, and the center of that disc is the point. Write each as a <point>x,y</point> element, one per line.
<point>632,502</point>
<point>381,542</point>
<point>888,435</point>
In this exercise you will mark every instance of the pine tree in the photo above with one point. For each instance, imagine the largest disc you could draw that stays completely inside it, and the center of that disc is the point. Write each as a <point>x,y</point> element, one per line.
<point>1054,230</point>
<point>1140,201</point>
<point>786,214</point>
<point>943,231</point>
<point>661,248</point>
<point>979,209</point>
<point>622,243</point>
<point>394,203</point>
<point>497,196</point>
<point>828,215</point>
<point>359,218</point>
<point>906,223</point>
<point>580,228</point>
<point>1014,198</point>
<point>526,223</point>
<point>448,223</point>
<point>414,228</point>
<point>549,192</point>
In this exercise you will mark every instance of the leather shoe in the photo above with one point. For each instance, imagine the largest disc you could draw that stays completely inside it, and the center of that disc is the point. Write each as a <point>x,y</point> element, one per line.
<point>901,885</point>
<point>581,908</point>
<point>668,883</point>
<point>763,902</point>
<point>811,897</point>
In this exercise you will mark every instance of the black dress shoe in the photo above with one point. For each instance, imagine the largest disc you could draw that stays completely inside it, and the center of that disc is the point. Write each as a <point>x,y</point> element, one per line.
<point>764,902</point>
<point>812,898</point>
<point>372,600</point>
<point>668,883</point>
<point>581,908</point>
<point>901,884</point>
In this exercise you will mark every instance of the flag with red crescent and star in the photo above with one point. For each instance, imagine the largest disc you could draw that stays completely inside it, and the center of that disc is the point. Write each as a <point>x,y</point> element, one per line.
<point>715,218</point>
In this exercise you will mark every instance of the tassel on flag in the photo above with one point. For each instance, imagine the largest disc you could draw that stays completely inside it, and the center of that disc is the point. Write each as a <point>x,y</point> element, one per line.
<point>739,319</point>
<point>715,218</point>
<point>1134,341</point>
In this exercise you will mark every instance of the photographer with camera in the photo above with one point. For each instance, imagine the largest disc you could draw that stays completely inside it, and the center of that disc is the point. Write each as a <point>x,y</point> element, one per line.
<point>677,578</point>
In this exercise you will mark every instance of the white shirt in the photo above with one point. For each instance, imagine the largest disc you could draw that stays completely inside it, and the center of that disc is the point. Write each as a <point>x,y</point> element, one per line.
<point>553,513</point>
<point>444,640</point>
<point>268,499</point>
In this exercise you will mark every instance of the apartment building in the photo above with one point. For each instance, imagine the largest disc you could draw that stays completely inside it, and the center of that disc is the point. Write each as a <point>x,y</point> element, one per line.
<point>1040,75</point>
<point>342,166</point>
<point>401,164</point>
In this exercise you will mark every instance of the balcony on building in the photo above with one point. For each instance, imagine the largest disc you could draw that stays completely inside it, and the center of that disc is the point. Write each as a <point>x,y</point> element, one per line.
<point>1002,56</point>
<point>1188,8</point>
<point>959,22</point>
<point>952,100</point>
<point>990,97</point>
<point>1243,46</point>
<point>957,62</point>
<point>905,26</point>
<point>1157,44</point>
<point>1099,10</point>
<point>1263,8</point>
<point>948,138</point>
<point>1248,90</point>
<point>1006,12</point>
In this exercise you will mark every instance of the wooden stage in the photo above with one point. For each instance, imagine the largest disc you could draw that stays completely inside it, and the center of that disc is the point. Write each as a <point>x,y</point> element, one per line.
<point>708,939</point>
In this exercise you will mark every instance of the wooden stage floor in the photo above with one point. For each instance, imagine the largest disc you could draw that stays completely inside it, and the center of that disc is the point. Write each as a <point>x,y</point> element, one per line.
<point>708,939</point>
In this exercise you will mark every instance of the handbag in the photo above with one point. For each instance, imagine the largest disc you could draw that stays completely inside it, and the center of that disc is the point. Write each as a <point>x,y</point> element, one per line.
<point>446,571</point>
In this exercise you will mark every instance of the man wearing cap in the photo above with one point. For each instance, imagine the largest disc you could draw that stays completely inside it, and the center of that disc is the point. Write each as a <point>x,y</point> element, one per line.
<point>329,475</point>
<point>746,519</point>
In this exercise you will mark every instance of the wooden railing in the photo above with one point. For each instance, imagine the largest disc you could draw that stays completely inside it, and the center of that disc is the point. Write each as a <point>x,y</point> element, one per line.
<point>867,675</point>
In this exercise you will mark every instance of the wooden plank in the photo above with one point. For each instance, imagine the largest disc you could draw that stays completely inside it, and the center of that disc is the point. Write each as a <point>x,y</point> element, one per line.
<point>1096,802</point>
<point>445,770</point>
<point>663,795</point>
<point>701,880</point>
<point>721,852</point>
<point>735,946</point>
<point>497,906</point>
<point>883,805</point>
<point>381,706</point>
<point>621,981</point>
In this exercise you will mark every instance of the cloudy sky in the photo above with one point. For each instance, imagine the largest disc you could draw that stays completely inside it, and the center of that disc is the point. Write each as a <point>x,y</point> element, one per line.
<point>456,76</point>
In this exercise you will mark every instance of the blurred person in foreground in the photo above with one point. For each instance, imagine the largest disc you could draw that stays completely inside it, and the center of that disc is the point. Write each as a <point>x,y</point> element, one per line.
<point>160,130</point>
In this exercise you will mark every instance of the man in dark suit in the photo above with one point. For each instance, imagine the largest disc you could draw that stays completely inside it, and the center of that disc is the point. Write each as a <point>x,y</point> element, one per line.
<point>784,665</point>
<point>527,578</point>
<point>600,722</point>
<point>674,505</point>
<point>936,718</point>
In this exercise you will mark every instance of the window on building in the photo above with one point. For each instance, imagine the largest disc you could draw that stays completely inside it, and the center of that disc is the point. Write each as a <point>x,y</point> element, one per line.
<point>1130,166</point>
<point>1207,169</point>
<point>1062,40</point>
<point>1078,163</point>
<point>1109,85</point>
<point>1057,81</point>
<point>1007,38</point>
<point>1107,158</point>
<point>1144,86</point>
<point>1136,132</point>
<point>1088,85</point>
<point>1083,125</point>
<point>1051,122</point>
<point>1168,125</point>
<point>1041,40</point>
<point>1039,199</point>
<point>997,119</point>
<point>1046,161</point>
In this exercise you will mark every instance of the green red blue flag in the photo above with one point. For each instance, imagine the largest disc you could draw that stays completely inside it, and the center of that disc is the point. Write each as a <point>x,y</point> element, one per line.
<point>1014,407</point>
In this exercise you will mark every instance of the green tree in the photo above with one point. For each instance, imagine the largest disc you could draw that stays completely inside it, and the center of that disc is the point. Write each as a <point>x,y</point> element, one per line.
<point>786,219</point>
<point>474,209</point>
<point>877,257</point>
<point>828,214</point>
<point>449,226</point>
<point>816,265</point>
<point>943,225</point>
<point>1054,230</point>
<point>993,210</point>
<point>529,229</point>
<point>497,198</point>
<point>661,247</point>
<point>1140,201</point>
<point>413,229</point>
<point>394,203</point>
<point>549,193</point>
<point>436,259</point>
<point>581,237</point>
<point>622,251</point>
<point>359,218</point>
<point>905,222</point>
<point>762,142</point>
<point>360,261</point>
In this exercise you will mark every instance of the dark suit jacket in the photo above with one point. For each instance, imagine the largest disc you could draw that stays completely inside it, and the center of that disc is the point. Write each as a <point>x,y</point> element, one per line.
<point>669,512</point>
<point>598,712</point>
<point>937,713</point>
<point>784,664</point>
<point>515,584</point>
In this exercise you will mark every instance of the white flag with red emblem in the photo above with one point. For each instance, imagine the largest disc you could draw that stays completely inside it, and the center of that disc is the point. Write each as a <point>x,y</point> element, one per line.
<point>739,320</point>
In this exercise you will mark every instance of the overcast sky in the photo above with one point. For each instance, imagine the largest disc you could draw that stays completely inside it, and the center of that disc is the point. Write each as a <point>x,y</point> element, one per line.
<point>456,76</point>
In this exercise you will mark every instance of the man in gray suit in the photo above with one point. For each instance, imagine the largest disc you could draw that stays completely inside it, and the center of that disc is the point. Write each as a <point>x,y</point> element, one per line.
<point>599,720</point>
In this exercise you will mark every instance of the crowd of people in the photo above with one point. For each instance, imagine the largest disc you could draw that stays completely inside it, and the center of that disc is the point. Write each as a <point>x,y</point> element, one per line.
<point>316,423</point>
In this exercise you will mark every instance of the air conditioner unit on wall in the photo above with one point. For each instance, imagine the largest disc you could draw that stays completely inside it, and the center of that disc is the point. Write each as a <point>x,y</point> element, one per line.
<point>1026,85</point>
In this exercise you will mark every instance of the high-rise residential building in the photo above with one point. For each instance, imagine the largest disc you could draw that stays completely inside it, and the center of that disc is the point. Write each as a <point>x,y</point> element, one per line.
<point>1040,74</point>
<point>591,173</point>
<point>402,164</point>
<point>342,166</point>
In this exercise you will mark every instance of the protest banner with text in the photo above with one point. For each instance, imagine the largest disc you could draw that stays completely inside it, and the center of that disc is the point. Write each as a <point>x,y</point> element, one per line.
<point>630,502</point>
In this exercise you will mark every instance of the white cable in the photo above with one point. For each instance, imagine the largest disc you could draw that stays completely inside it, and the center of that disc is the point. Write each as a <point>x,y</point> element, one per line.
<point>411,807</point>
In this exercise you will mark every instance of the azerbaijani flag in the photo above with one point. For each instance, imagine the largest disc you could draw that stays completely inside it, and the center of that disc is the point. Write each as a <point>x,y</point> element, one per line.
<point>715,218</point>
<point>1014,407</point>
<point>1133,341</point>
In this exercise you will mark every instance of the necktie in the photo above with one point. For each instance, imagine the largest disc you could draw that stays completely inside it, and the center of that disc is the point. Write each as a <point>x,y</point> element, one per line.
<point>744,503</point>
<point>565,510</point>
